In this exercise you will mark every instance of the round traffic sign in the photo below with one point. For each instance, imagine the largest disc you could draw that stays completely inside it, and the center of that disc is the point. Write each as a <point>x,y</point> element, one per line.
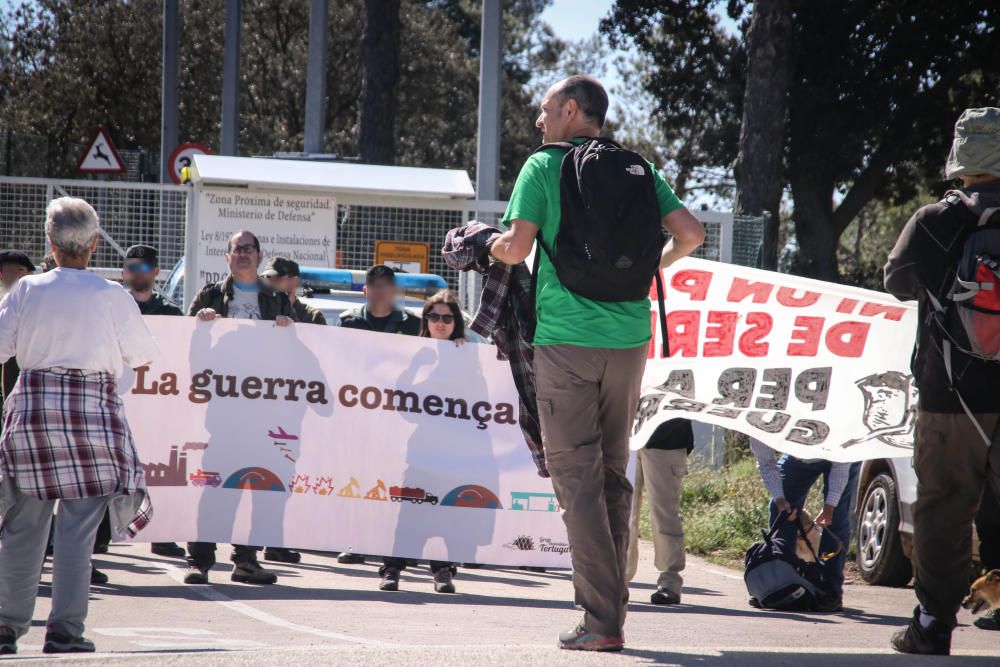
<point>181,157</point>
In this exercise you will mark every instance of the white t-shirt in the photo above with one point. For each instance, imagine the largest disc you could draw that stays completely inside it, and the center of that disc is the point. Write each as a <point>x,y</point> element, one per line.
<point>70,318</point>
<point>245,304</point>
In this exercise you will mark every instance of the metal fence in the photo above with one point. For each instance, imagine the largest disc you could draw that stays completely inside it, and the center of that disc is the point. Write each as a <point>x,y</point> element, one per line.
<point>154,214</point>
<point>130,213</point>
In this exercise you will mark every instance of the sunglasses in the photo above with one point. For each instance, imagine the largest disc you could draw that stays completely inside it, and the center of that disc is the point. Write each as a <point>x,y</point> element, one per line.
<point>139,268</point>
<point>436,317</point>
<point>244,249</point>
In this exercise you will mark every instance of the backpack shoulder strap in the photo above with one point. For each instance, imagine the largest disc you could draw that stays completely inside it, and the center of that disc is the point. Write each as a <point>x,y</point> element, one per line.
<point>561,145</point>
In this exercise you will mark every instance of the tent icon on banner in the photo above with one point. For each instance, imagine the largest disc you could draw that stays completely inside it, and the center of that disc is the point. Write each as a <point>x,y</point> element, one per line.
<point>101,156</point>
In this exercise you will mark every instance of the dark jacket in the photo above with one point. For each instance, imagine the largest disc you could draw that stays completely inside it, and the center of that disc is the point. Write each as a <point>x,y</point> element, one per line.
<point>217,297</point>
<point>400,321</point>
<point>673,434</point>
<point>308,314</point>
<point>925,258</point>
<point>157,305</point>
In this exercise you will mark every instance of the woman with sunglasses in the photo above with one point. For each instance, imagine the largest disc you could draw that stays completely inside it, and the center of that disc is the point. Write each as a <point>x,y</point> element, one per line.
<point>442,318</point>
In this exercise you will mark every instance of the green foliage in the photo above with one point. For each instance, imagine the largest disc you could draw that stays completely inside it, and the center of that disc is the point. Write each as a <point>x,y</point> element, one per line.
<point>875,91</point>
<point>694,72</point>
<point>724,511</point>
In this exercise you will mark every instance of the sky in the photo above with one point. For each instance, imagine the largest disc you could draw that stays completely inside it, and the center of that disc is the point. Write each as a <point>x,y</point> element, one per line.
<point>576,19</point>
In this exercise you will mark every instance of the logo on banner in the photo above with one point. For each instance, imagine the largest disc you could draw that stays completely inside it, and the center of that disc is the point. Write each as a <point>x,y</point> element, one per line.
<point>890,413</point>
<point>542,544</point>
<point>521,543</point>
<point>254,479</point>
<point>472,495</point>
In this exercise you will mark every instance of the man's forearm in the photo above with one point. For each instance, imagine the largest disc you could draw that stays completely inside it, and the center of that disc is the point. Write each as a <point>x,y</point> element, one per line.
<point>500,249</point>
<point>675,250</point>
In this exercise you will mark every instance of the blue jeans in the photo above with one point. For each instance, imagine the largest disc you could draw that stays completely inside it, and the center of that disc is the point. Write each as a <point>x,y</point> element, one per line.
<point>797,477</point>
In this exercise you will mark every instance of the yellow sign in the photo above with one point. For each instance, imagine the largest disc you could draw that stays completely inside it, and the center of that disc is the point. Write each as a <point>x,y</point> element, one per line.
<point>409,256</point>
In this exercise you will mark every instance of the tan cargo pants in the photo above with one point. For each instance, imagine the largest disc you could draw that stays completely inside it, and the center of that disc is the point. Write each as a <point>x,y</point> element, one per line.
<point>586,400</point>
<point>660,472</point>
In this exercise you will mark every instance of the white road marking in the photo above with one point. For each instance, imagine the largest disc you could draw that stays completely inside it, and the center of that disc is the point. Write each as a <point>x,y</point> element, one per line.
<point>210,593</point>
<point>179,638</point>
<point>727,575</point>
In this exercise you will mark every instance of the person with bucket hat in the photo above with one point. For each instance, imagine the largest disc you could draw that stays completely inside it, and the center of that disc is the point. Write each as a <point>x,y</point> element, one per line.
<point>948,257</point>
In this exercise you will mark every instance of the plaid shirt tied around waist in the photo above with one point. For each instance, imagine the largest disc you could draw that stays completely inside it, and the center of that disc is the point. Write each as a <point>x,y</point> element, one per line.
<point>506,314</point>
<point>65,436</point>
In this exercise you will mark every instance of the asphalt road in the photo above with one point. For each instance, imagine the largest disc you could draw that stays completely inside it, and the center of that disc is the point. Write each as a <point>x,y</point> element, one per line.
<point>325,613</point>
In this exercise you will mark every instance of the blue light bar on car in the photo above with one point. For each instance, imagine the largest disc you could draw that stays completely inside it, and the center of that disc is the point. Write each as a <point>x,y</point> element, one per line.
<point>355,280</point>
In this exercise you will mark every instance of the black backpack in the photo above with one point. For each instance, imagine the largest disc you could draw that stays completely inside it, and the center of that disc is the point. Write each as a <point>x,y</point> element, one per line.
<point>778,578</point>
<point>610,239</point>
<point>968,315</point>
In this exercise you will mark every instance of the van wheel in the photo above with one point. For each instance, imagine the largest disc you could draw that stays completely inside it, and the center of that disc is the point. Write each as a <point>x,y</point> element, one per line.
<point>880,550</point>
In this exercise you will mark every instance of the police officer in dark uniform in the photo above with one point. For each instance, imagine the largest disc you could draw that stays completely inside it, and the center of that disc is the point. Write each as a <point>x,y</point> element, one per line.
<point>283,274</point>
<point>380,314</point>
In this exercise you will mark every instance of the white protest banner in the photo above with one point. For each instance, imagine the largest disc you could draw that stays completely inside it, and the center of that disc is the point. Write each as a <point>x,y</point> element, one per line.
<point>300,227</point>
<point>814,369</point>
<point>339,440</point>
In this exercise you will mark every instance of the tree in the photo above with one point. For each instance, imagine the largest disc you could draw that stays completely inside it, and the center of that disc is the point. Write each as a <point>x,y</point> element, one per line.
<point>694,71</point>
<point>876,88</point>
<point>380,58</point>
<point>758,169</point>
<point>66,66</point>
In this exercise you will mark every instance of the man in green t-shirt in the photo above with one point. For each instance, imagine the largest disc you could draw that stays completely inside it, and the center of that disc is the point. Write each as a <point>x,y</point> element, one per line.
<point>589,360</point>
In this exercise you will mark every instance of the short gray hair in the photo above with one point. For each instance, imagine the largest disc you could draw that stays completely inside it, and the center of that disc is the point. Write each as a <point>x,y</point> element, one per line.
<point>589,95</point>
<point>71,225</point>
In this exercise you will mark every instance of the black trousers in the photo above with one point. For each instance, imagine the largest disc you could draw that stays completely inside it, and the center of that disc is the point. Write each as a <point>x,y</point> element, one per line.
<point>988,529</point>
<point>400,564</point>
<point>202,554</point>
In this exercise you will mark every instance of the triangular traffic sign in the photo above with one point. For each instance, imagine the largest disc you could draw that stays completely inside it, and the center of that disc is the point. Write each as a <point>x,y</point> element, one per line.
<point>101,157</point>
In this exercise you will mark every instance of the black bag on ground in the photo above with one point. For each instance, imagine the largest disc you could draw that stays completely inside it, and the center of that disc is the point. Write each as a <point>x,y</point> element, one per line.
<point>778,578</point>
<point>610,239</point>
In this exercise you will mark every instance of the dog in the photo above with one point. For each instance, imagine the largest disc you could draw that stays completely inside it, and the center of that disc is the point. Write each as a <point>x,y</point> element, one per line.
<point>985,593</point>
<point>803,549</point>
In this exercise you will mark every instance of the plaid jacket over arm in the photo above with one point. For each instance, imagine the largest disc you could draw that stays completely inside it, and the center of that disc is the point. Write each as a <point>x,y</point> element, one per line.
<point>506,314</point>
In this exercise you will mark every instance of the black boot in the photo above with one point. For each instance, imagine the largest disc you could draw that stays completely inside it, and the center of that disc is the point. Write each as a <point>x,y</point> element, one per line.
<point>197,574</point>
<point>97,577</point>
<point>168,549</point>
<point>250,572</point>
<point>915,638</point>
<point>282,555</point>
<point>989,620</point>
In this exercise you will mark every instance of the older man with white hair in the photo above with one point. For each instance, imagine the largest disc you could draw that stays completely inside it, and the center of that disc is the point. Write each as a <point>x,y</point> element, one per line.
<point>65,436</point>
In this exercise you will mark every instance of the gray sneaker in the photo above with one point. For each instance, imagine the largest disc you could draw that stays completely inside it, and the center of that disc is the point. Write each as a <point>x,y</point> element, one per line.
<point>58,642</point>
